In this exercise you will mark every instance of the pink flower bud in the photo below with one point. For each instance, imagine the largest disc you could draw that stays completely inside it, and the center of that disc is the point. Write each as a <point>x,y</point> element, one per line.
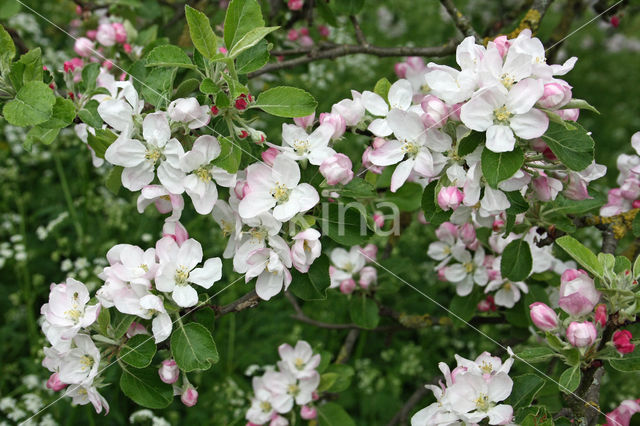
<point>292,35</point>
<point>576,188</point>
<point>454,113</point>
<point>502,44</point>
<point>315,396</point>
<point>169,372</point>
<point>578,294</point>
<point>366,163</point>
<point>295,4</point>
<point>487,304</point>
<point>449,197</point>
<point>107,64</point>
<point>546,188</point>
<point>222,50</point>
<point>370,251</point>
<point>136,328</point>
<point>416,63</point>
<point>635,204</point>
<point>304,31</point>
<point>337,121</point>
<point>175,230</point>
<point>127,48</point>
<point>308,413</point>
<point>78,10</point>
<point>555,95</point>
<point>337,169</point>
<point>467,233</point>
<point>543,316</point>
<point>91,34</point>
<point>106,35</point>
<point>83,47</point>
<point>378,219</point>
<point>581,334</point>
<point>121,33</point>
<point>621,416</point>
<point>446,230</point>
<point>615,21</point>
<point>324,31</point>
<point>241,189</point>
<point>189,396</point>
<point>435,111</point>
<point>401,69</point>
<point>569,114</point>
<point>270,155</point>
<point>368,276</point>
<point>441,276</point>
<point>622,341</point>
<point>305,41</point>
<point>305,121</point>
<point>347,286</point>
<point>55,384</point>
<point>601,315</point>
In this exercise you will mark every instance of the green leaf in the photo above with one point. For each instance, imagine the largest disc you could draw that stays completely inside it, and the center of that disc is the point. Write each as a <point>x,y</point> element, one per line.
<point>7,48</point>
<point>103,321</point>
<point>622,264</point>
<point>42,135</point>
<point>145,388</point>
<point>565,206</point>
<point>359,188</point>
<point>348,7</point>
<point>518,203</point>
<point>158,86</point>
<point>253,58</point>
<point>627,363</point>
<point>345,375</point>
<point>382,88</point>
<point>185,88</point>
<point>33,105</point>
<point>168,56</point>
<point>331,414</point>
<point>469,143</point>
<point>636,268</point>
<point>326,381</point>
<point>205,316</point>
<point>101,141</point>
<point>313,284</point>
<point>581,104</point>
<point>554,341</point>
<point>499,166</point>
<point>464,307</point>
<point>572,145</point>
<point>326,13</point>
<point>525,388</point>
<point>121,323</point>
<point>250,39</point>
<point>230,155</point>
<point>8,8</point>
<point>364,311</point>
<point>570,379</point>
<point>202,35</point>
<point>193,347</point>
<point>114,179</point>
<point>408,197</point>
<point>344,224</point>
<point>433,214</point>
<point>288,102</point>
<point>208,87</point>
<point>138,351</point>
<point>581,254</point>
<point>537,354</point>
<point>27,68</point>
<point>90,74</point>
<point>63,113</point>
<point>516,260</point>
<point>242,16</point>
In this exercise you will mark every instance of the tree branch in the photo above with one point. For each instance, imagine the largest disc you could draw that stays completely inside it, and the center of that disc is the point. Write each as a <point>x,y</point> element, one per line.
<point>532,18</point>
<point>350,49</point>
<point>247,301</point>
<point>462,22</point>
<point>347,347</point>
<point>401,416</point>
<point>362,41</point>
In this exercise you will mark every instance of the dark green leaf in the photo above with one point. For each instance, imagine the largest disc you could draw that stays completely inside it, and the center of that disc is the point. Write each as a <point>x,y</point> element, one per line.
<point>230,155</point>
<point>114,179</point>
<point>344,224</point>
<point>331,414</point>
<point>284,101</point>
<point>469,143</point>
<point>581,254</point>
<point>168,56</point>
<point>525,388</point>
<point>185,88</point>
<point>497,167</point>
<point>364,311</point>
<point>208,87</point>
<point>201,33</point>
<point>33,105</point>
<point>345,375</point>
<point>516,261</point>
<point>313,284</point>
<point>382,88</point>
<point>193,347</point>
<point>121,323</point>
<point>242,16</point>
<point>570,379</point>
<point>571,144</point>
<point>536,354</point>
<point>63,114</point>
<point>145,388</point>
<point>100,141</point>
<point>253,58</point>
<point>408,197</point>
<point>90,74</point>
<point>628,363</point>
<point>138,351</point>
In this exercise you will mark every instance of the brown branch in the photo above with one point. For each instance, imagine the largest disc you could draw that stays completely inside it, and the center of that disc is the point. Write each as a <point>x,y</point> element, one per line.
<point>462,22</point>
<point>347,347</point>
<point>247,301</point>
<point>532,18</point>
<point>402,415</point>
<point>350,49</point>
<point>362,41</point>
<point>17,40</point>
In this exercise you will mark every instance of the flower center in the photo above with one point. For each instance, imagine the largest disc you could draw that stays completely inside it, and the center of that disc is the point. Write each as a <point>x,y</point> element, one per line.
<point>74,314</point>
<point>299,363</point>
<point>301,147</point>
<point>502,115</point>
<point>203,174</point>
<point>468,267</point>
<point>425,88</point>
<point>411,148</point>
<point>507,286</point>
<point>86,362</point>
<point>144,267</point>
<point>265,406</point>
<point>486,367</point>
<point>258,234</point>
<point>153,154</point>
<point>182,273</point>
<point>293,389</point>
<point>482,402</point>
<point>227,228</point>
<point>507,80</point>
<point>280,193</point>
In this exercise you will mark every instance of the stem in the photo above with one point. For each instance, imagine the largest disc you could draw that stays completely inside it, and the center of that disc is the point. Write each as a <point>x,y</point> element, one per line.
<point>68,198</point>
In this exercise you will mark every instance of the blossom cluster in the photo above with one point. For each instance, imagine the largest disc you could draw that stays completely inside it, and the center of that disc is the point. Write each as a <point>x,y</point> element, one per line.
<point>293,381</point>
<point>627,195</point>
<point>470,393</point>
<point>349,266</point>
<point>578,298</point>
<point>465,261</point>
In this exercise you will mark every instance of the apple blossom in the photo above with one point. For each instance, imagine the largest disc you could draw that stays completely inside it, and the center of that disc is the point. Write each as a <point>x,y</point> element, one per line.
<point>543,316</point>
<point>468,271</point>
<point>178,270</point>
<point>106,34</point>
<point>299,360</point>
<point>368,276</point>
<point>621,416</point>
<point>347,286</point>
<point>164,201</point>
<point>270,265</point>
<point>83,394</point>
<point>189,111</point>
<point>337,169</point>
<point>601,315</point>
<point>306,249</point>
<point>298,145</point>
<point>581,334</point>
<point>449,198</point>
<point>578,295</point>
<point>622,341</point>
<point>345,264</point>
<point>120,32</point>
<point>80,364</point>
<point>55,384</point>
<point>308,413</point>
<point>189,396</point>
<point>83,47</point>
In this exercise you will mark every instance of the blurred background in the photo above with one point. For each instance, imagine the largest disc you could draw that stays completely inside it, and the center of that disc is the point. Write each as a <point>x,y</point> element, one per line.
<point>57,219</point>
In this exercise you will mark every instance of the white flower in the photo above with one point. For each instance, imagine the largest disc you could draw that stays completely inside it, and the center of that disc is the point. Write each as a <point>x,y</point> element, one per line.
<point>270,265</point>
<point>400,96</point>
<point>84,394</point>
<point>345,264</point>
<point>230,224</point>
<point>202,176</point>
<point>80,364</point>
<point>277,187</point>
<point>306,248</point>
<point>161,325</point>
<point>501,113</point>
<point>473,398</point>
<point>508,293</point>
<point>468,271</point>
<point>189,111</point>
<point>300,361</point>
<point>178,270</point>
<point>140,159</point>
<point>287,389</point>
<point>301,146</point>
<point>164,201</point>
<point>261,409</point>
<point>67,311</point>
<point>118,109</point>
